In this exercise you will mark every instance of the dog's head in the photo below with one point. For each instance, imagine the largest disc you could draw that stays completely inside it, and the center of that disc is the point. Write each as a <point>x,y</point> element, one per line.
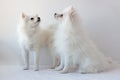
<point>31,21</point>
<point>67,12</point>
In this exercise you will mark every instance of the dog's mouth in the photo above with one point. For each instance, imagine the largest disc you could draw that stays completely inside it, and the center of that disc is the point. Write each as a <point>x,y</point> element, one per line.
<point>37,22</point>
<point>38,19</point>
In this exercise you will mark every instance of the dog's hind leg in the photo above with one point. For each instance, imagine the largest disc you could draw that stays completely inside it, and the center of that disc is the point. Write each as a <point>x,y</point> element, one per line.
<point>61,65</point>
<point>55,63</point>
<point>66,64</point>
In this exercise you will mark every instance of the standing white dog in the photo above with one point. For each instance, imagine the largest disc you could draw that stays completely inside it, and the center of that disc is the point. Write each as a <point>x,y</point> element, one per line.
<point>31,38</point>
<point>74,47</point>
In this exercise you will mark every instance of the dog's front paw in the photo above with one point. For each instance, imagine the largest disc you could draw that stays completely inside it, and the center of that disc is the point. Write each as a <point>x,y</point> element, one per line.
<point>36,69</point>
<point>26,68</point>
<point>82,72</point>
<point>59,68</point>
<point>52,67</point>
<point>63,71</point>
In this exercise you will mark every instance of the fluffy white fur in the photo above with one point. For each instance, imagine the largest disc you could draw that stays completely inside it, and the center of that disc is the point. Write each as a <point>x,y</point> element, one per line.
<point>74,47</point>
<point>32,37</point>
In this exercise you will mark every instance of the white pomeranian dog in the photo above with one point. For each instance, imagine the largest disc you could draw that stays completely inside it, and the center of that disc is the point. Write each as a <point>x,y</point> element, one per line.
<point>32,37</point>
<point>74,47</point>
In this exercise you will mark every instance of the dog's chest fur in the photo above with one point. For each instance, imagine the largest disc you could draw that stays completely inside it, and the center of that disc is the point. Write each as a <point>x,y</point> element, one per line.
<point>62,38</point>
<point>30,37</point>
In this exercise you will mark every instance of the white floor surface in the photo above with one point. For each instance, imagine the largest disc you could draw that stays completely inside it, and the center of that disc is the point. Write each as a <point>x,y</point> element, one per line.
<point>16,73</point>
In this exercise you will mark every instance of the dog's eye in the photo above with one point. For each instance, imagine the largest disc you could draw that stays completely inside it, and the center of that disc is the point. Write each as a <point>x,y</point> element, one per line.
<point>31,18</point>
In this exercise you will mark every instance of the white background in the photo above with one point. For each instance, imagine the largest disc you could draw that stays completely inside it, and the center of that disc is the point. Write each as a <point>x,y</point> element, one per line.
<point>100,18</point>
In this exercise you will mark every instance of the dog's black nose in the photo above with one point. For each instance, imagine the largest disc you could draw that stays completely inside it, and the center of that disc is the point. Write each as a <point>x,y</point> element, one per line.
<point>55,14</point>
<point>38,19</point>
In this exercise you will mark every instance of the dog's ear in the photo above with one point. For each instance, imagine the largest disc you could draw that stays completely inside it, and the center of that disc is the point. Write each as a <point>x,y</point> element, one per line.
<point>71,7</point>
<point>70,10</point>
<point>24,15</point>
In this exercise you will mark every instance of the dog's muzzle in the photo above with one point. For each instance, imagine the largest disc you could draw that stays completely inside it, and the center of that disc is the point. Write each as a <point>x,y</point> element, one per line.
<point>38,19</point>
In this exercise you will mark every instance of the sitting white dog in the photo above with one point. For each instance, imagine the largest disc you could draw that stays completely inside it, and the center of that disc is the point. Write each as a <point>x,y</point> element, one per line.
<point>32,37</point>
<point>74,47</point>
